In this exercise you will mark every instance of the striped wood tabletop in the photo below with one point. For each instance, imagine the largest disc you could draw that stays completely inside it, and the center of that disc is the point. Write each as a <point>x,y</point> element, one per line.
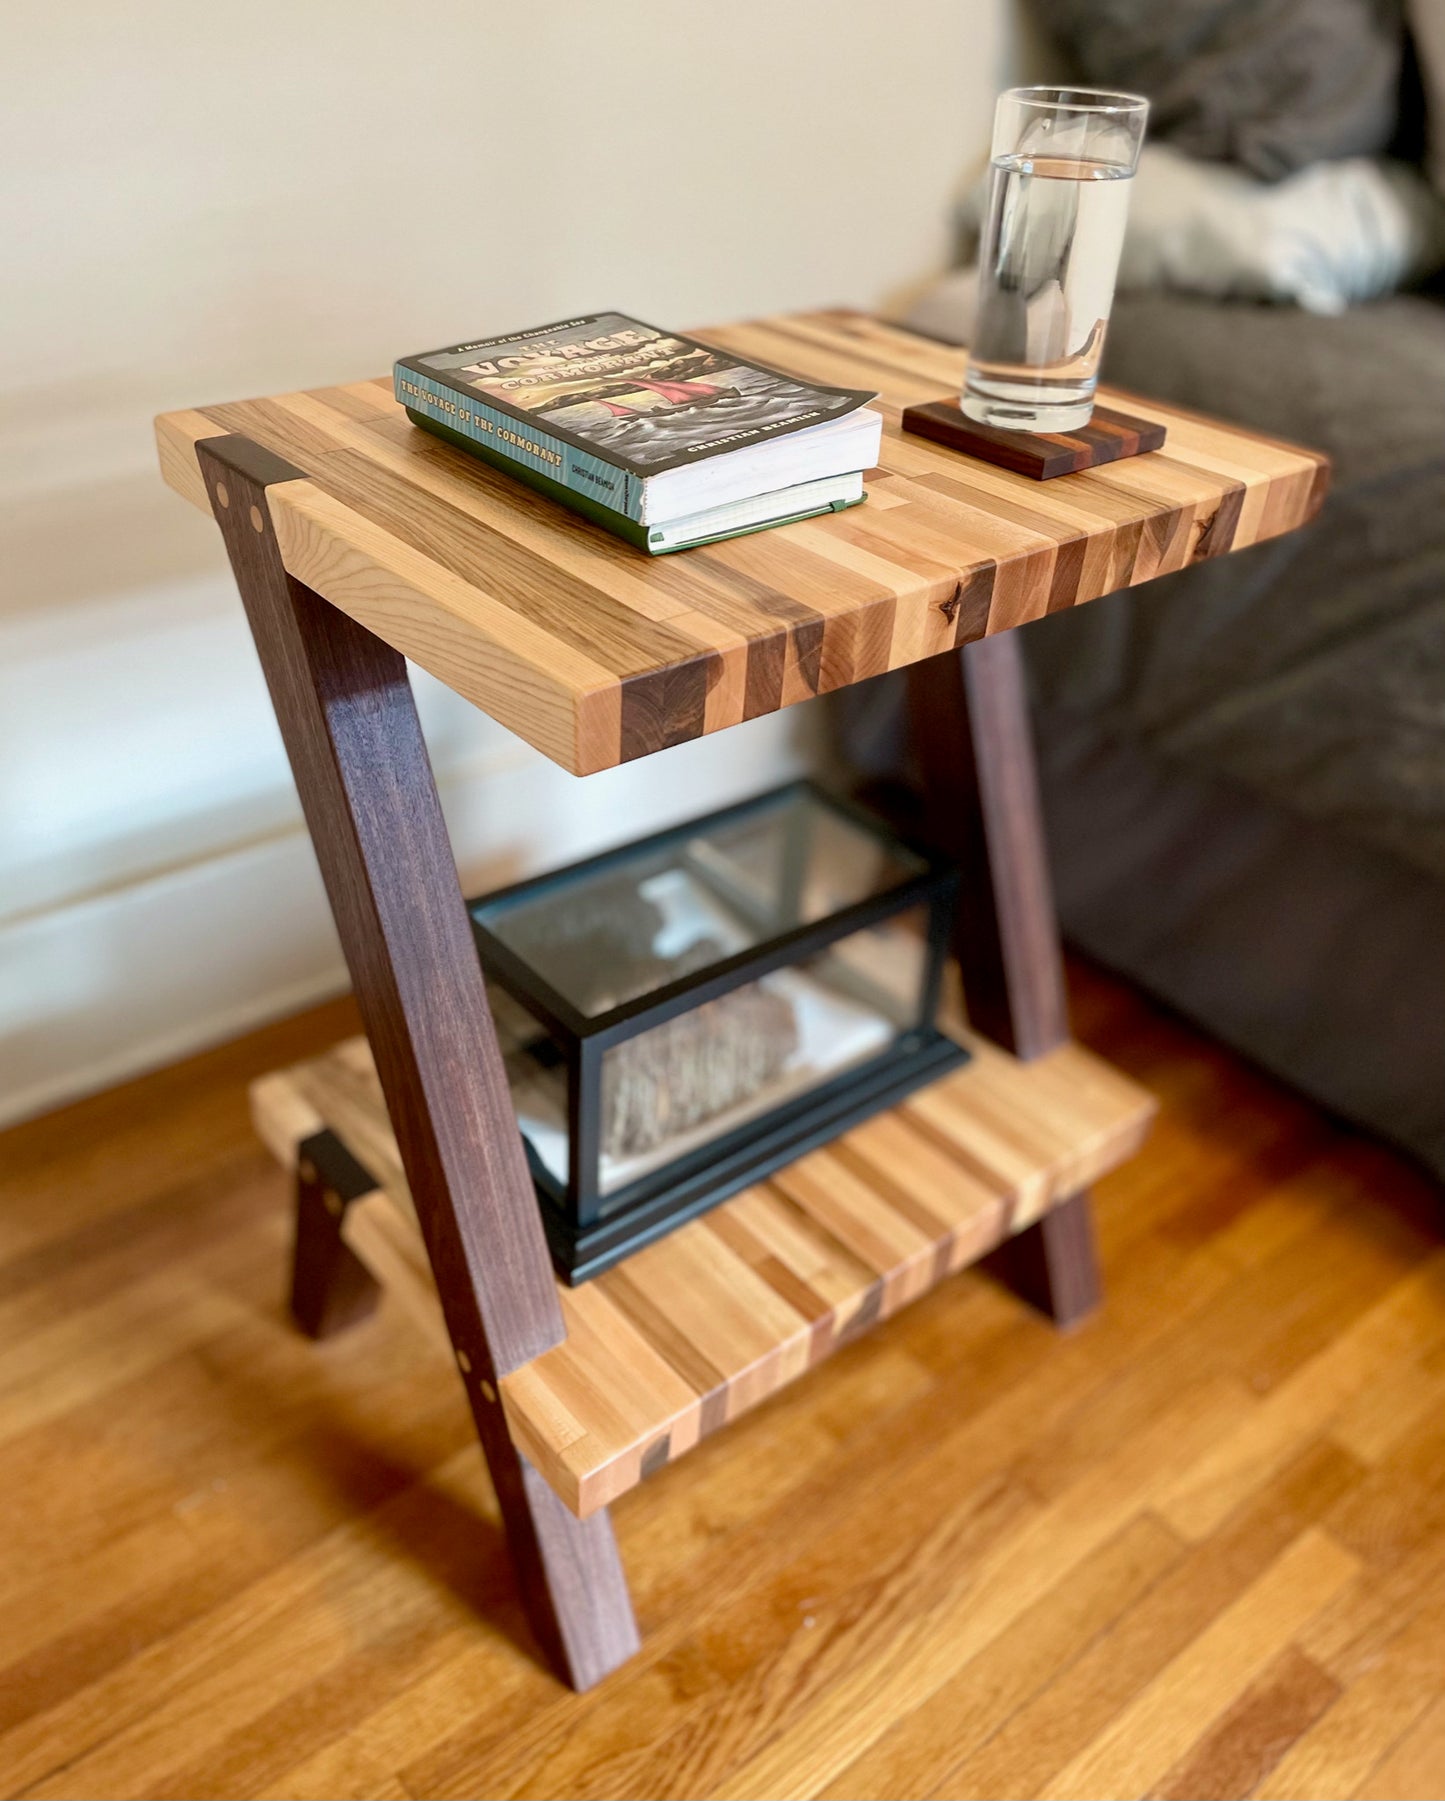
<point>596,653</point>
<point>694,1330</point>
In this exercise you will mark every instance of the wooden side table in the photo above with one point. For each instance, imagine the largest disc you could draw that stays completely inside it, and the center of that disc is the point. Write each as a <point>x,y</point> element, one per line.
<point>356,541</point>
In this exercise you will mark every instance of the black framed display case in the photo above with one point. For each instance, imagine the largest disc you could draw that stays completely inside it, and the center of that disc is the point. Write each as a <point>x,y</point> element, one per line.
<point>686,1014</point>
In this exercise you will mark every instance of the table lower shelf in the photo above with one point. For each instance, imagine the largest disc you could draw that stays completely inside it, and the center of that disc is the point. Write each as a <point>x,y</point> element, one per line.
<point>692,1331</point>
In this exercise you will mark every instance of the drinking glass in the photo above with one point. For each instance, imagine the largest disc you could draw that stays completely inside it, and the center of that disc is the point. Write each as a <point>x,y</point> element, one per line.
<point>1058,200</point>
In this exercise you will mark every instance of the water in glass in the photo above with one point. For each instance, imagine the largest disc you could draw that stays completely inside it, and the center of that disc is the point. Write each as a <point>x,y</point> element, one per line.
<point>1048,259</point>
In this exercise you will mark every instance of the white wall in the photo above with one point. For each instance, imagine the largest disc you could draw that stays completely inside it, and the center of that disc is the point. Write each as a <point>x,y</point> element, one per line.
<point>199,205</point>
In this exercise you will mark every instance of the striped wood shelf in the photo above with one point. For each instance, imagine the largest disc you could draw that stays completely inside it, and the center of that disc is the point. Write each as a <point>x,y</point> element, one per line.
<point>596,653</point>
<point>692,1331</point>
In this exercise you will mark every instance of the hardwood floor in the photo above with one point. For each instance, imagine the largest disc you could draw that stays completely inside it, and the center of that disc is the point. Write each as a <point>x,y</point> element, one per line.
<point>1196,1548</point>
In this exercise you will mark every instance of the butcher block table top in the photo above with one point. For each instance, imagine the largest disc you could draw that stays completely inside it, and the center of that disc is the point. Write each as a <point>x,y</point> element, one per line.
<point>596,653</point>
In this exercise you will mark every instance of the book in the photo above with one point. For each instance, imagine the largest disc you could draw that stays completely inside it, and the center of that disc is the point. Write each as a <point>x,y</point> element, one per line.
<point>665,440</point>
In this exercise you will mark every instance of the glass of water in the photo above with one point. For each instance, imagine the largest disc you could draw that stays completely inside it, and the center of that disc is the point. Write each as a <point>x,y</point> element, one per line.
<point>1049,254</point>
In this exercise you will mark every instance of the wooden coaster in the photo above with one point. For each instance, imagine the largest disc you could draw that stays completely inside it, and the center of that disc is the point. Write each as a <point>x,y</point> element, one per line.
<point>1043,455</point>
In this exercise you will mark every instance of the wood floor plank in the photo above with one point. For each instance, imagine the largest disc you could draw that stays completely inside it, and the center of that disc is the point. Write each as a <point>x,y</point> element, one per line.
<point>1348,1638</point>
<point>1337,1755</point>
<point>805,1632</point>
<point>1251,1737</point>
<point>1405,1322</point>
<point>1413,1769</point>
<point>837,1728</point>
<point>1398,1512</point>
<point>1387,1409</point>
<point>457,1685</point>
<point>918,1749</point>
<point>1072,1714</point>
<point>1158,1728</point>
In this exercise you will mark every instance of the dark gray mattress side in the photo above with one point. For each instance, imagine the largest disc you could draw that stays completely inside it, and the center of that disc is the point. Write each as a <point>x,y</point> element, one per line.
<point>1311,670</point>
<point>1322,960</point>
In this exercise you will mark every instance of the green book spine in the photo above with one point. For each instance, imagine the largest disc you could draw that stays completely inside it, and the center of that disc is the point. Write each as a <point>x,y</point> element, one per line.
<point>523,449</point>
<point>534,478</point>
<point>584,504</point>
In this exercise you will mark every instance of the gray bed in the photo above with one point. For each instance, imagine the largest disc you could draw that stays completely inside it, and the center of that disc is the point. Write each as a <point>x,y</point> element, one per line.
<point>1244,764</point>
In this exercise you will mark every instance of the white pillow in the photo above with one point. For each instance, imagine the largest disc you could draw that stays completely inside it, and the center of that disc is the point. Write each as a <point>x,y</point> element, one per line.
<point>1332,235</point>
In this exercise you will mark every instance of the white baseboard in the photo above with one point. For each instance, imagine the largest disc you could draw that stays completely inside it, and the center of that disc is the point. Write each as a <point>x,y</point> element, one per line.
<point>136,976</point>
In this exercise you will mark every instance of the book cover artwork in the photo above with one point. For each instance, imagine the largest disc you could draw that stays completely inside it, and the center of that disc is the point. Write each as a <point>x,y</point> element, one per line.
<point>646,399</point>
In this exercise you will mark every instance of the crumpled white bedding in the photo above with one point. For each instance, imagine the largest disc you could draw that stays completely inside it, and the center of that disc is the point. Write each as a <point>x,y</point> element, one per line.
<point>1332,235</point>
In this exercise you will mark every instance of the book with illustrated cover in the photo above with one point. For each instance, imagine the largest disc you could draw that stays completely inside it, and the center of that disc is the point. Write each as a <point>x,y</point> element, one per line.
<point>665,439</point>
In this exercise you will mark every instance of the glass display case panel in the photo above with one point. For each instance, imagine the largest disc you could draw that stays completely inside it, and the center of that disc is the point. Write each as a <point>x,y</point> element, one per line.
<point>613,935</point>
<point>538,1076</point>
<point>676,1087</point>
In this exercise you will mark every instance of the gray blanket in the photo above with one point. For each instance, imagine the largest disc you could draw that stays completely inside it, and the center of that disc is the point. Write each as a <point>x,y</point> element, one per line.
<point>1270,85</point>
<point>1312,669</point>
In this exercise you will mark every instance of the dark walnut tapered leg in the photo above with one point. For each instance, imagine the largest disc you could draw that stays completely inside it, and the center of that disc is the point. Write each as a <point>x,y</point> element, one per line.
<point>349,723</point>
<point>331,1288</point>
<point>1053,1264</point>
<point>968,711</point>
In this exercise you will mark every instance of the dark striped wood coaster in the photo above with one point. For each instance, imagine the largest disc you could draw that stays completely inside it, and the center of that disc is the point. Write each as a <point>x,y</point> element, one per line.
<point>1105,439</point>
